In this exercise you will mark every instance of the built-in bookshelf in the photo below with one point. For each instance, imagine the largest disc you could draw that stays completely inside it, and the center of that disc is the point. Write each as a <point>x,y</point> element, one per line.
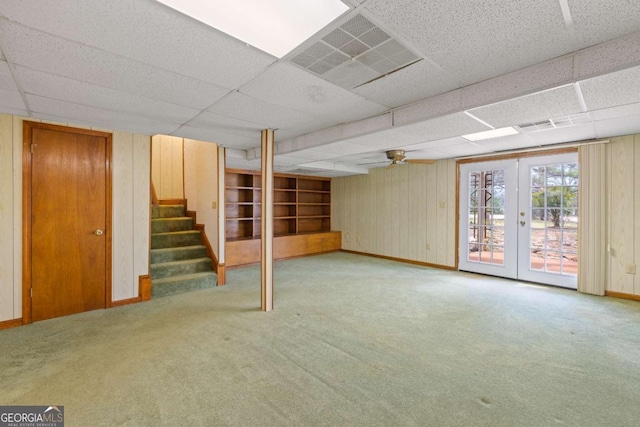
<point>301,205</point>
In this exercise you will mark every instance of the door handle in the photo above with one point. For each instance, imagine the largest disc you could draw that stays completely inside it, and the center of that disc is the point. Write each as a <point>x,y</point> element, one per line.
<point>98,232</point>
<point>522,223</point>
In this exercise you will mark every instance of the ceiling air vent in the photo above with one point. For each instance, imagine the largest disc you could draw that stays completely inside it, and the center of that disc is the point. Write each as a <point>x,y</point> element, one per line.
<point>558,122</point>
<point>355,53</point>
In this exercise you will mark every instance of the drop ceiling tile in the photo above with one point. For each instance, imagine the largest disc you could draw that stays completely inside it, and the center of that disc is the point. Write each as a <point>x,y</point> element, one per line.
<point>232,126</point>
<point>531,108</point>
<point>458,150</point>
<point>308,155</point>
<point>475,41</point>
<point>444,127</point>
<point>566,134</point>
<point>413,83</point>
<point>618,126</point>
<point>163,37</point>
<point>269,115</point>
<point>436,144</point>
<point>613,112</point>
<point>385,140</point>
<point>39,51</point>
<point>595,22</point>
<point>11,99</point>
<point>612,90</point>
<point>215,135</point>
<point>338,149</point>
<point>6,79</point>
<point>293,88</point>
<point>511,142</point>
<point>549,74</point>
<point>67,112</point>
<point>288,160</point>
<point>77,92</point>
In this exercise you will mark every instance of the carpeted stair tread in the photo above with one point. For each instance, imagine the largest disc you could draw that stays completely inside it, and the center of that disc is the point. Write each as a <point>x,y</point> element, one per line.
<point>177,254</point>
<point>183,283</point>
<point>178,268</point>
<point>175,239</point>
<point>167,211</point>
<point>165,225</point>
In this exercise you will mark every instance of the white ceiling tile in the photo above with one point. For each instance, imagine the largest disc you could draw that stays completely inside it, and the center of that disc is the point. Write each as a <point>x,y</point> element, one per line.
<point>618,126</point>
<point>76,92</point>
<point>232,126</point>
<point>43,52</point>
<point>597,21</point>
<point>411,84</point>
<point>13,111</point>
<point>565,134</point>
<point>612,90</point>
<point>267,114</point>
<point>444,127</point>
<point>617,54</point>
<point>337,149</point>
<point>215,135</point>
<point>6,79</point>
<point>549,74</point>
<point>67,112</point>
<point>458,150</point>
<point>531,108</point>
<point>385,139</point>
<point>511,142</point>
<point>475,41</point>
<point>436,144</point>
<point>11,99</point>
<point>293,88</point>
<point>613,112</point>
<point>163,37</point>
<point>290,160</point>
<point>441,105</point>
<point>308,155</point>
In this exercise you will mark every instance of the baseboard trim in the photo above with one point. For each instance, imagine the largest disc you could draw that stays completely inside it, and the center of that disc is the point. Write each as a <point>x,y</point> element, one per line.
<point>622,295</point>
<point>233,267</point>
<point>406,261</point>
<point>122,302</point>
<point>144,287</point>
<point>6,324</point>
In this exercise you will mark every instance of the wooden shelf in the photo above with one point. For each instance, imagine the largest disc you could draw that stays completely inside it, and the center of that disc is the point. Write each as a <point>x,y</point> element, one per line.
<point>302,206</point>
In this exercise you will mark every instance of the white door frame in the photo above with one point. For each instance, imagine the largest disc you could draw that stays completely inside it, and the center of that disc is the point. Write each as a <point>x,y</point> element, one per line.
<point>517,231</point>
<point>509,268</point>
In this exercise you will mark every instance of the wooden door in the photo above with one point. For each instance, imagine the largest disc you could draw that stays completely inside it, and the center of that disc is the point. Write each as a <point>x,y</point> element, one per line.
<point>69,220</point>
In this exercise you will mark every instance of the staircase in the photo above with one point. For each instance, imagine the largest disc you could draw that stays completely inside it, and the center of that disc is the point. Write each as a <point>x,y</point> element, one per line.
<point>179,261</point>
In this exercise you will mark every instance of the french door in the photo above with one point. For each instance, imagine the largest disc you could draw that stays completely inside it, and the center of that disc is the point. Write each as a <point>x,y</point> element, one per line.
<point>518,219</point>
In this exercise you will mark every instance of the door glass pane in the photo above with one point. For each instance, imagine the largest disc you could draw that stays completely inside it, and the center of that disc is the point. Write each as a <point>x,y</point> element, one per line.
<point>554,218</point>
<point>486,217</point>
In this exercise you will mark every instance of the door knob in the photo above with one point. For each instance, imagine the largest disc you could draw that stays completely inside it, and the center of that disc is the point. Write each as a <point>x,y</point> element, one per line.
<point>98,232</point>
<point>522,223</point>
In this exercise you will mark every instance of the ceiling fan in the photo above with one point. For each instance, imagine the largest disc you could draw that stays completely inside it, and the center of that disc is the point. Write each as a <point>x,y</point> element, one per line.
<point>398,156</point>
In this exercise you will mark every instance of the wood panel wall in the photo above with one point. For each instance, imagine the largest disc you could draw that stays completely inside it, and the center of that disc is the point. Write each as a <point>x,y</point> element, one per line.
<point>623,176</point>
<point>201,185</point>
<point>131,169</point>
<point>131,201</point>
<point>167,169</point>
<point>406,212</point>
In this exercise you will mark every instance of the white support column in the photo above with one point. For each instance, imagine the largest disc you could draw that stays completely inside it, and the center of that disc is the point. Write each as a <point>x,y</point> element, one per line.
<point>267,221</point>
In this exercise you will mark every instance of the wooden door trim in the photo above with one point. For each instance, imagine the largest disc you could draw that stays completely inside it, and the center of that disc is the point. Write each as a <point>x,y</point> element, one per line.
<point>27,128</point>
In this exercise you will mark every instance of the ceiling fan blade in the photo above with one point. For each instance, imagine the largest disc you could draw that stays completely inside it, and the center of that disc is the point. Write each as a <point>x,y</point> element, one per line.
<point>420,161</point>
<point>391,165</point>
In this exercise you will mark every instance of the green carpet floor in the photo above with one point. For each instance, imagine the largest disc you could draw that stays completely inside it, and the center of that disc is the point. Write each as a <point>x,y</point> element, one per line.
<point>353,341</point>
